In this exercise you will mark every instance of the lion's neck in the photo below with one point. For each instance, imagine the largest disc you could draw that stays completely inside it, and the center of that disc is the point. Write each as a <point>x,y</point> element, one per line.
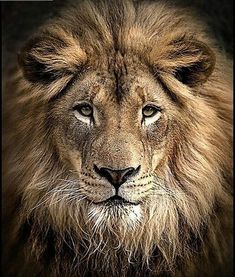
<point>88,256</point>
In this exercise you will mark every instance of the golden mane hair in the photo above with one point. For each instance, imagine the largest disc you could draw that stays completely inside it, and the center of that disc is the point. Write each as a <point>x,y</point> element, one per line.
<point>187,228</point>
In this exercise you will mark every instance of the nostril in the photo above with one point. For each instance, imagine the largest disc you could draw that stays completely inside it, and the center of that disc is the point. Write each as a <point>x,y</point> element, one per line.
<point>103,172</point>
<point>131,171</point>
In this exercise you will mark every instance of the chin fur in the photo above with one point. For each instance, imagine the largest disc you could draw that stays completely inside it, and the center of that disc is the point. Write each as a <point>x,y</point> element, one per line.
<point>114,216</point>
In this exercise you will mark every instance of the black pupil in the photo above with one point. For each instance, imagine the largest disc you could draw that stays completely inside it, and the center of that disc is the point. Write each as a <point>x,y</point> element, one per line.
<point>85,110</point>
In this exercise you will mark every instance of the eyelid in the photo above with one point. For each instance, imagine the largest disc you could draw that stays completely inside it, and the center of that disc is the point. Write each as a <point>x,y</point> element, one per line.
<point>82,106</point>
<point>152,105</point>
<point>157,108</point>
<point>82,103</point>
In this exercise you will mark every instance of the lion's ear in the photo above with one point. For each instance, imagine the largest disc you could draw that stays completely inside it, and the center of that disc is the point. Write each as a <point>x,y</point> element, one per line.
<point>51,55</point>
<point>189,60</point>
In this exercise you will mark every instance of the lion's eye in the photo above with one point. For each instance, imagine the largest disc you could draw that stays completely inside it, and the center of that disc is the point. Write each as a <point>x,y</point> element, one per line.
<point>84,109</point>
<point>150,111</point>
<point>150,114</point>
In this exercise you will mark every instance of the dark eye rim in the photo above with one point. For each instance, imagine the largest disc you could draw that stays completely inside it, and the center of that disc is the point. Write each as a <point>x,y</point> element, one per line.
<point>78,107</point>
<point>156,110</point>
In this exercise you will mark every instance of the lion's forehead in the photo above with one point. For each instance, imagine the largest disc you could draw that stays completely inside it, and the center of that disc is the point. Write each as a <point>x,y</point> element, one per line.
<point>103,86</point>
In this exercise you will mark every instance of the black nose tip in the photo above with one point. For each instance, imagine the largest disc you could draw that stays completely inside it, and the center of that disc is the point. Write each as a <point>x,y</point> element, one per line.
<point>117,176</point>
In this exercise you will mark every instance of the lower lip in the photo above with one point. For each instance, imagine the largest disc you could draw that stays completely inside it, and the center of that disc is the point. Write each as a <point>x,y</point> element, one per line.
<point>115,202</point>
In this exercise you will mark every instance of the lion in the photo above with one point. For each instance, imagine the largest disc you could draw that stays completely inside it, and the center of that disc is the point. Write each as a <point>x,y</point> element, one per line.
<point>118,146</point>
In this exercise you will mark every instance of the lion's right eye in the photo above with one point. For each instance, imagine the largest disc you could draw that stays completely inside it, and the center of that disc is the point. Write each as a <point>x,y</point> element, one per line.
<point>84,110</point>
<point>151,113</point>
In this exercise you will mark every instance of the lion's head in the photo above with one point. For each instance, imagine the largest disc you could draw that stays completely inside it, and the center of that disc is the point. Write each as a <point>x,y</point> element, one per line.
<point>125,141</point>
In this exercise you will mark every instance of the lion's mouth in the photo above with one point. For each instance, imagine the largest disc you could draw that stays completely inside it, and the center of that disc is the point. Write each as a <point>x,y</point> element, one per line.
<point>116,200</point>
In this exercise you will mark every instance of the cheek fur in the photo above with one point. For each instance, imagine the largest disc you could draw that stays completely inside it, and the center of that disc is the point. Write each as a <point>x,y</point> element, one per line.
<point>157,132</point>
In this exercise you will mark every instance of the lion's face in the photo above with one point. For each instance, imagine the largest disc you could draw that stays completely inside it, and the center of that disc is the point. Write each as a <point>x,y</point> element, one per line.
<point>114,137</point>
<point>115,116</point>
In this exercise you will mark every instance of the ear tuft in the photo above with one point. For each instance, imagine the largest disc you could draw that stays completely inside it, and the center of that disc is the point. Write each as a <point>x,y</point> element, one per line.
<point>198,62</point>
<point>50,56</point>
<point>189,60</point>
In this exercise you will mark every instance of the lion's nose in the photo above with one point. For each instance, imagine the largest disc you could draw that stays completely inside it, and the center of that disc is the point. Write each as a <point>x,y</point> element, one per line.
<point>117,176</point>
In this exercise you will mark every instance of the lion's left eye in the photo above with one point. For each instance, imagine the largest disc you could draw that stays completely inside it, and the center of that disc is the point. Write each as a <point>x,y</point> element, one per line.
<point>150,111</point>
<point>84,109</point>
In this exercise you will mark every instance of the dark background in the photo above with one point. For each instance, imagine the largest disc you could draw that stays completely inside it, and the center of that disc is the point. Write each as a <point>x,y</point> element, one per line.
<point>21,18</point>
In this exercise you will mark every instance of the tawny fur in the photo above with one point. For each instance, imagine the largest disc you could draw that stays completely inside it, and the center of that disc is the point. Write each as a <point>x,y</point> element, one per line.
<point>185,226</point>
